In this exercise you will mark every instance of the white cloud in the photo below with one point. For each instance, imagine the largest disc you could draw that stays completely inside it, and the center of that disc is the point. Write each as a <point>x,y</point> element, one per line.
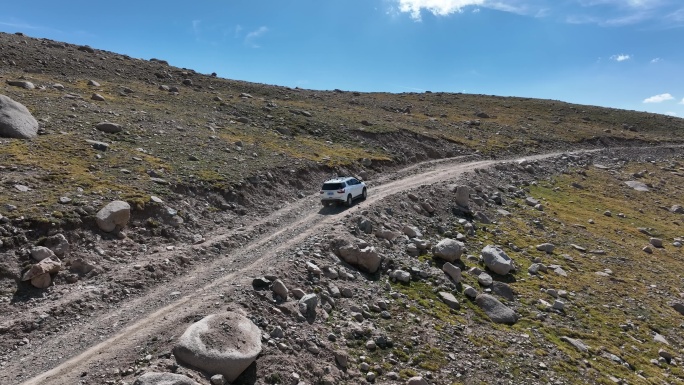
<point>251,37</point>
<point>671,113</point>
<point>436,7</point>
<point>621,57</point>
<point>682,102</point>
<point>659,98</point>
<point>656,60</point>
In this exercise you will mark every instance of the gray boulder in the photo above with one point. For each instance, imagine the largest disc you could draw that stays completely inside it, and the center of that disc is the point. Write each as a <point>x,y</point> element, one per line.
<point>366,258</point>
<point>280,289</point>
<point>308,304</point>
<point>462,197</point>
<point>224,344</point>
<point>416,381</point>
<point>39,253</point>
<point>116,213</point>
<point>16,120</point>
<point>497,260</point>
<point>110,128</point>
<point>39,273</point>
<point>401,276</point>
<point>449,249</point>
<point>495,310</point>
<point>546,247</point>
<point>58,244</point>
<point>25,84</point>
<point>453,271</point>
<point>449,300</point>
<point>152,378</point>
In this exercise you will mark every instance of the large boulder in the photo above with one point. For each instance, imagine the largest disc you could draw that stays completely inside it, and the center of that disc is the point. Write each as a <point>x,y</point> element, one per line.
<point>116,213</point>
<point>16,120</point>
<point>364,257</point>
<point>497,260</point>
<point>39,273</point>
<point>153,378</point>
<point>108,127</point>
<point>449,249</point>
<point>225,343</point>
<point>495,310</point>
<point>462,197</point>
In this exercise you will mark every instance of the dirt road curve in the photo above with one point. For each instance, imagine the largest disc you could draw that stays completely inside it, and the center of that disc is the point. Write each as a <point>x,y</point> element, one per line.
<point>103,338</point>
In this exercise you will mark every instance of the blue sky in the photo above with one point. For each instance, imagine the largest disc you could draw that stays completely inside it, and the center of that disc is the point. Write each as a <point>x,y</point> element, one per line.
<point>614,53</point>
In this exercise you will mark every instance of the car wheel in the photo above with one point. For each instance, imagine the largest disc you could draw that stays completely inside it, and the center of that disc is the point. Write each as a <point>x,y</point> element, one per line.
<point>364,194</point>
<point>349,200</point>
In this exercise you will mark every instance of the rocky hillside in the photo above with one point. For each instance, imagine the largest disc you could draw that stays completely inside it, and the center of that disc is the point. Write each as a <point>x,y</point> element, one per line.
<point>150,196</point>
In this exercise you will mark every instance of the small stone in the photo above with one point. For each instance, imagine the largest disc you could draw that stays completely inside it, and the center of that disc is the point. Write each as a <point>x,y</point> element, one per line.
<point>370,345</point>
<point>218,379</point>
<point>656,242</point>
<point>450,300</point>
<point>484,279</point>
<point>470,292</point>
<point>416,381</point>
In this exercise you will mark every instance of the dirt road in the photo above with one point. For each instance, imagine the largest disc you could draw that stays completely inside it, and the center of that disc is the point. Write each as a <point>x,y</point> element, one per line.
<point>108,336</point>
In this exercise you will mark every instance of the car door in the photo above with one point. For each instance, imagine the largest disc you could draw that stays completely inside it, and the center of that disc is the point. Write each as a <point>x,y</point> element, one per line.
<point>355,187</point>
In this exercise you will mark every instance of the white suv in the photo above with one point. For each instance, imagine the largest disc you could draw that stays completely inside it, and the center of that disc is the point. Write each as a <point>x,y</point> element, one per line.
<point>342,190</point>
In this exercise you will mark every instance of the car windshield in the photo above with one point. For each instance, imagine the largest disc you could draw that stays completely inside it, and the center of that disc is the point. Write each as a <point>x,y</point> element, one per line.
<point>332,186</point>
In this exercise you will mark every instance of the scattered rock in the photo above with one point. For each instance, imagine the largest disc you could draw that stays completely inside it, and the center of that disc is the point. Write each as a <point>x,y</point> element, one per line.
<point>39,273</point>
<point>656,242</point>
<point>577,343</point>
<point>416,381</point>
<point>679,307</point>
<point>25,84</point>
<point>449,249</point>
<point>638,186</point>
<point>485,279</point>
<point>495,310</point>
<point>40,252</point>
<point>449,299</point>
<point>279,289</point>
<point>110,128</point>
<point>366,258</point>
<point>453,271</point>
<point>152,378</point>
<point>116,213</point>
<point>401,276</point>
<point>97,97</point>
<point>16,121</point>
<point>462,197</point>
<point>546,247</point>
<point>58,244</point>
<point>497,260</point>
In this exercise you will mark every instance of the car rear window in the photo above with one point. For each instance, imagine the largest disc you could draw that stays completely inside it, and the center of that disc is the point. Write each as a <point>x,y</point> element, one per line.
<point>333,186</point>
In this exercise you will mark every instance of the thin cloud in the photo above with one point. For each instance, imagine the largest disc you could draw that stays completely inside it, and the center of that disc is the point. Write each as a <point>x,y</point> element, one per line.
<point>682,102</point>
<point>620,57</point>
<point>436,7</point>
<point>671,113</point>
<point>659,98</point>
<point>251,37</point>
<point>606,13</point>
<point>656,60</point>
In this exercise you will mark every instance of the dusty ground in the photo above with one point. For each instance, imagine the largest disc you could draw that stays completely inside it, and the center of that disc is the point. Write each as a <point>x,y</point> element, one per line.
<point>245,182</point>
<point>94,331</point>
